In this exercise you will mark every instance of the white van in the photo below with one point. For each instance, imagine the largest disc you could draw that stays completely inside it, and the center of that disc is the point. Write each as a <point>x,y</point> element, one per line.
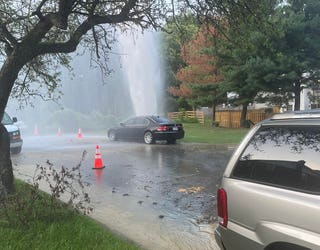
<point>14,133</point>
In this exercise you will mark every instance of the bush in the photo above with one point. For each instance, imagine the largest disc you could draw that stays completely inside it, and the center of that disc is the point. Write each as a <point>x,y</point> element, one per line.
<point>182,119</point>
<point>190,120</point>
<point>69,121</point>
<point>102,122</point>
<point>30,205</point>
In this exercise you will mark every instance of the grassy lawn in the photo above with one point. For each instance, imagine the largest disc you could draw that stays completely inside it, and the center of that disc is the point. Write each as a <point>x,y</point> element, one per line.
<point>75,232</point>
<point>195,132</point>
<point>37,228</point>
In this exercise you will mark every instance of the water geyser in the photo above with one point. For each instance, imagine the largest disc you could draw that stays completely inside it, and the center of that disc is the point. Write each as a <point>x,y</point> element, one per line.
<point>141,62</point>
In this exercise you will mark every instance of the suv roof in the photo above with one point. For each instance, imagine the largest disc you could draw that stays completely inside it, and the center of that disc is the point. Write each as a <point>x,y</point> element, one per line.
<point>313,113</point>
<point>305,117</point>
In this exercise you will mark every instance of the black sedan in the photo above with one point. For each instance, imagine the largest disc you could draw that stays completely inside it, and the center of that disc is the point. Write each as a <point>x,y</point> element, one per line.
<point>148,128</point>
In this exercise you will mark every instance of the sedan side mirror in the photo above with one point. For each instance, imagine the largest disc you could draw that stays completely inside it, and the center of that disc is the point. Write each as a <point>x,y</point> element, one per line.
<point>14,119</point>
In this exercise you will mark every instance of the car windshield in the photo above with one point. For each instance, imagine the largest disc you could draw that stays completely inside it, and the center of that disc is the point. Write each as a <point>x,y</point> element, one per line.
<point>6,120</point>
<point>283,156</point>
<point>161,119</point>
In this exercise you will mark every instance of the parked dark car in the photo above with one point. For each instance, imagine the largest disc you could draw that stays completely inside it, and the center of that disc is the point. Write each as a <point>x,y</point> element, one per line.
<point>148,128</point>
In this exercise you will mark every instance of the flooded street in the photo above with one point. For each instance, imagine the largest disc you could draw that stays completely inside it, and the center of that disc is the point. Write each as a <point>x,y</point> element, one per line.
<point>159,196</point>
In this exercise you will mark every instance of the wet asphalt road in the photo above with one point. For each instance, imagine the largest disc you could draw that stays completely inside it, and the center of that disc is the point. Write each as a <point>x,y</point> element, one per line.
<point>160,196</point>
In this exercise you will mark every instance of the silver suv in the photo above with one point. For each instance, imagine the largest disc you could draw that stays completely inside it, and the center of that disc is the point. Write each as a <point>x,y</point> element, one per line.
<point>270,191</point>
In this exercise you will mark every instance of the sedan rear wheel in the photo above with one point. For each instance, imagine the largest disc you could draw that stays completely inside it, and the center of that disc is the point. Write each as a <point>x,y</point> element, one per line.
<point>112,136</point>
<point>148,137</point>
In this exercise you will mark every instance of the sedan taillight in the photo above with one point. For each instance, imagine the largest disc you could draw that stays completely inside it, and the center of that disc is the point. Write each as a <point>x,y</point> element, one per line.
<point>162,128</point>
<point>222,207</point>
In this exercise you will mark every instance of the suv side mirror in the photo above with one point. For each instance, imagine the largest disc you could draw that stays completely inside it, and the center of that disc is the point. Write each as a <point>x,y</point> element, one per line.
<point>14,119</point>
<point>122,124</point>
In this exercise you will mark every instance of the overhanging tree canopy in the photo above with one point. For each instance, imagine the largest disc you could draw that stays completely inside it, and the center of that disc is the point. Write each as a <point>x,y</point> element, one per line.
<point>35,35</point>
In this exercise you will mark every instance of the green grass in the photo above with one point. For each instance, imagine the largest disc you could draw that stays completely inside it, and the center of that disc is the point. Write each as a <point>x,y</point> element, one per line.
<point>195,132</point>
<point>64,229</point>
<point>77,232</point>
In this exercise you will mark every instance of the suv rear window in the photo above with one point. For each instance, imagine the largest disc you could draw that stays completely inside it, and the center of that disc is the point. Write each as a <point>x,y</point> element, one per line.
<point>286,157</point>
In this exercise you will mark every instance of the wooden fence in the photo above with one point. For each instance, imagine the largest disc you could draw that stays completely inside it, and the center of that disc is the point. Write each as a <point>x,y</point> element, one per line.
<point>231,118</point>
<point>187,114</point>
<point>226,118</point>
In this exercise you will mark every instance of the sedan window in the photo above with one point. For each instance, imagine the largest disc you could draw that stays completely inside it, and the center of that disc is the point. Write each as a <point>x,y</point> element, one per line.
<point>130,121</point>
<point>160,119</point>
<point>141,121</point>
<point>137,121</point>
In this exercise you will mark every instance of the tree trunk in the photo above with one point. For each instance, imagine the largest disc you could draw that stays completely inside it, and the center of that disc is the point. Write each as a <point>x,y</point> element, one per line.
<point>243,118</point>
<point>6,172</point>
<point>8,74</point>
<point>297,92</point>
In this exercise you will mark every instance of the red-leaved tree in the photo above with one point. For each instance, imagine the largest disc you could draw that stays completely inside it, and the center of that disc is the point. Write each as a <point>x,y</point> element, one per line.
<point>199,78</point>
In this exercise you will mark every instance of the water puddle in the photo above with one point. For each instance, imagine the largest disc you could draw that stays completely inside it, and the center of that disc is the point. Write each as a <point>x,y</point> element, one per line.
<point>152,226</point>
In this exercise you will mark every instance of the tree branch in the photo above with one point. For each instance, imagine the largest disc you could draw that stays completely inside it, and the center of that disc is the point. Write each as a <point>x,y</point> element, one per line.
<point>7,35</point>
<point>38,12</point>
<point>71,45</point>
<point>129,6</point>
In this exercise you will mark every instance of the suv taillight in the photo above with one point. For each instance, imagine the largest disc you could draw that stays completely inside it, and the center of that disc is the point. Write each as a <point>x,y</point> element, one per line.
<point>222,207</point>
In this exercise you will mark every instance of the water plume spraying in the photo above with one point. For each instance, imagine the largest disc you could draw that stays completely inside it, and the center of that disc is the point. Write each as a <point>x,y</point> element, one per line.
<point>142,66</point>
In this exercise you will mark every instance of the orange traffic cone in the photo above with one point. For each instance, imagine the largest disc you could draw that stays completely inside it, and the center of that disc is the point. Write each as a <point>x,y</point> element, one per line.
<point>98,164</point>
<point>59,132</point>
<point>36,131</point>
<point>79,133</point>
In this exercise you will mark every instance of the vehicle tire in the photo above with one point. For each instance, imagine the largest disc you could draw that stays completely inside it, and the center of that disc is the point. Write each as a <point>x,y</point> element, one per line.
<point>148,137</point>
<point>16,150</point>
<point>112,135</point>
<point>171,141</point>
<point>285,246</point>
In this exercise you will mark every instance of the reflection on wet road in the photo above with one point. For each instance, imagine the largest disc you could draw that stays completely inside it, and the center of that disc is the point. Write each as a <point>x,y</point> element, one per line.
<point>161,196</point>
